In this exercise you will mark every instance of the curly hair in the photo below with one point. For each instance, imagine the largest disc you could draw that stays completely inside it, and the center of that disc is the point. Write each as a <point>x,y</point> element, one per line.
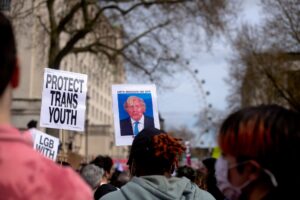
<point>153,152</point>
<point>168,147</point>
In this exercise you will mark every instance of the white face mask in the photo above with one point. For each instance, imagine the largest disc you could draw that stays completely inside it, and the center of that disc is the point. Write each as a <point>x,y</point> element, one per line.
<point>230,191</point>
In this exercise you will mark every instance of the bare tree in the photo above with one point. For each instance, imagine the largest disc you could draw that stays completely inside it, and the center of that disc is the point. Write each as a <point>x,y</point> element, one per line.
<point>182,132</point>
<point>150,30</point>
<point>282,24</point>
<point>265,67</point>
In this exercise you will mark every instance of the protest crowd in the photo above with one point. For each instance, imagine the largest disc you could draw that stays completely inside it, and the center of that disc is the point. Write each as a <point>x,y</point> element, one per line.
<point>259,160</point>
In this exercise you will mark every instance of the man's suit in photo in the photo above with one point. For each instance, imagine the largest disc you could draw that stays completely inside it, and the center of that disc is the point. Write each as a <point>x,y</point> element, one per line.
<point>126,126</point>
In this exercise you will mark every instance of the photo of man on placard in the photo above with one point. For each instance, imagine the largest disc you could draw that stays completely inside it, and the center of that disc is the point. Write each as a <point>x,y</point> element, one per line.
<point>138,113</point>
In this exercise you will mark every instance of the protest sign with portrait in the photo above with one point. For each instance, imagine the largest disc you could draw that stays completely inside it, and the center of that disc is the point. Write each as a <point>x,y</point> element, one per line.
<point>135,108</point>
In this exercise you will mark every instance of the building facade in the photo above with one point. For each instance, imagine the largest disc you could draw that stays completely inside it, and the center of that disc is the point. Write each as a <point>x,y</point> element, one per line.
<point>98,137</point>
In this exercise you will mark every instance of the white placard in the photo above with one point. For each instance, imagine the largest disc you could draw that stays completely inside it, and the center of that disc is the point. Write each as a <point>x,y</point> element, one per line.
<point>46,144</point>
<point>63,100</point>
<point>133,104</point>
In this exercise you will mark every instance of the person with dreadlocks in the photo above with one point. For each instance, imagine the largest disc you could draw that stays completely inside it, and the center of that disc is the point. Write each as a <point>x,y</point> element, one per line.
<point>152,159</point>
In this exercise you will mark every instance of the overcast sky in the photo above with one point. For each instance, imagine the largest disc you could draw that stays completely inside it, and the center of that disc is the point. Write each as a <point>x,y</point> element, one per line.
<point>181,105</point>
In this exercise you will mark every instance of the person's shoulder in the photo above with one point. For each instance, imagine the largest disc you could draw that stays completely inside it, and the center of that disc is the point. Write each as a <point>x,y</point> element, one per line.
<point>64,179</point>
<point>103,190</point>
<point>125,120</point>
<point>39,177</point>
<point>67,180</point>
<point>148,118</point>
<point>113,195</point>
<point>202,194</point>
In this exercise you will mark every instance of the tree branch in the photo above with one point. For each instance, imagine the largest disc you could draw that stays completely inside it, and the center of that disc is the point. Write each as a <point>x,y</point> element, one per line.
<point>143,3</point>
<point>283,92</point>
<point>136,64</point>
<point>25,13</point>
<point>68,17</point>
<point>43,24</point>
<point>84,10</point>
<point>144,34</point>
<point>51,15</point>
<point>294,33</point>
<point>94,47</point>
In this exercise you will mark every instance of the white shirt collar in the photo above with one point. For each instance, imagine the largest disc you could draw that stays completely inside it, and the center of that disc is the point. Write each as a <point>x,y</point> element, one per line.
<point>141,121</point>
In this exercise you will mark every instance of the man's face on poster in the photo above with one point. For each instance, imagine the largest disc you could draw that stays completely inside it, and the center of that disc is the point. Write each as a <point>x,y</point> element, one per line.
<point>135,107</point>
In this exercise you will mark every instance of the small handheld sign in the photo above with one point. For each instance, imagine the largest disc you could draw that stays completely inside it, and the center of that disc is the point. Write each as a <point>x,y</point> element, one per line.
<point>45,144</point>
<point>63,100</point>
<point>135,108</point>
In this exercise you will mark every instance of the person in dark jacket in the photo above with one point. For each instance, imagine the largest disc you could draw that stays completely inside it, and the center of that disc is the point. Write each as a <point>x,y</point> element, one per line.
<point>211,181</point>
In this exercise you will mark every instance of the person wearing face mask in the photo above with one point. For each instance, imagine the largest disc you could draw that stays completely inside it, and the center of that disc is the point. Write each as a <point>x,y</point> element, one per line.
<point>260,147</point>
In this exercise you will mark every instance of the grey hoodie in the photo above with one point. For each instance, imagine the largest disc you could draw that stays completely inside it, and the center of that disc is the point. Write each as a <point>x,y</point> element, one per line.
<point>159,187</point>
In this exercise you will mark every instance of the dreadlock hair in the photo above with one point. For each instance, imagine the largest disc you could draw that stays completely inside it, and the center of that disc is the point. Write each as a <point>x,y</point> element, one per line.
<point>153,152</point>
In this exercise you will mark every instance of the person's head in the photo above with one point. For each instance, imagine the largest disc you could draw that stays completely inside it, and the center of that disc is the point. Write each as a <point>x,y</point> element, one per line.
<point>135,107</point>
<point>260,146</point>
<point>106,163</point>
<point>32,124</point>
<point>9,70</point>
<point>154,152</point>
<point>186,171</point>
<point>92,174</point>
<point>201,180</point>
<point>208,166</point>
<point>119,178</point>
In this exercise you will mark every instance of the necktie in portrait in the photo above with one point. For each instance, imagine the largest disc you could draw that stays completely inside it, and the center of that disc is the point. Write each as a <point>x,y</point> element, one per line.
<point>135,128</point>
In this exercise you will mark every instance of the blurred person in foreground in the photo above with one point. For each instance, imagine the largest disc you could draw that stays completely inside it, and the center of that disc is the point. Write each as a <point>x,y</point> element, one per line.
<point>208,168</point>
<point>260,148</point>
<point>26,174</point>
<point>153,158</point>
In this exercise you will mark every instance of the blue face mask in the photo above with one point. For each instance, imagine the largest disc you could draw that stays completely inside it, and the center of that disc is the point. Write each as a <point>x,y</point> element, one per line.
<point>230,191</point>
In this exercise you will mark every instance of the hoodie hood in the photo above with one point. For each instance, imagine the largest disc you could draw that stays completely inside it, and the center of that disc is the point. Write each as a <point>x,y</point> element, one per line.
<point>159,187</point>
